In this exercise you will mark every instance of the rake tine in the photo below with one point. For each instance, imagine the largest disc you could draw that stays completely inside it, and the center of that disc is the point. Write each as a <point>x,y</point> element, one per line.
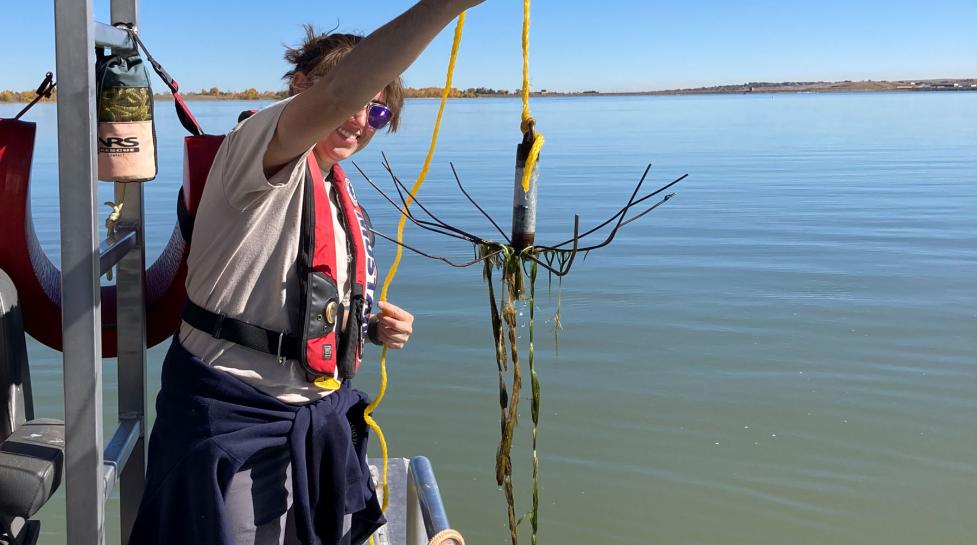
<point>620,218</point>
<point>622,211</point>
<point>402,188</point>
<point>544,265</point>
<point>398,185</point>
<point>613,233</point>
<point>573,251</point>
<point>420,223</point>
<point>393,178</point>
<point>400,207</point>
<point>471,200</point>
<point>635,192</point>
<point>429,256</point>
<point>576,239</point>
<point>654,206</point>
<point>625,209</point>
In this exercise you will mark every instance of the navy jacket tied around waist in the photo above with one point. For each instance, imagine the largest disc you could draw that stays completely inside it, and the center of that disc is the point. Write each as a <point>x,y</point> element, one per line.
<point>209,423</point>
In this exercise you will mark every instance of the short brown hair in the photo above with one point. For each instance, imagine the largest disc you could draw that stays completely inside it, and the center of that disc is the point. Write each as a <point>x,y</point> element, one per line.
<point>321,52</point>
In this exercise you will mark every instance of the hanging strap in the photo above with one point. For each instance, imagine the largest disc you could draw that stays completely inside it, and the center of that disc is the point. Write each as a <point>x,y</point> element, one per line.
<point>43,91</point>
<point>182,111</point>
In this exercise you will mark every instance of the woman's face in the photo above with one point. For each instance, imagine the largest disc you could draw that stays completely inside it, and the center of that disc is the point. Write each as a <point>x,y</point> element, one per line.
<point>351,136</point>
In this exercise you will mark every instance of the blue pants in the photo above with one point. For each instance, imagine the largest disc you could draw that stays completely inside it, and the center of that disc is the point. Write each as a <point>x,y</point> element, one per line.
<point>210,426</point>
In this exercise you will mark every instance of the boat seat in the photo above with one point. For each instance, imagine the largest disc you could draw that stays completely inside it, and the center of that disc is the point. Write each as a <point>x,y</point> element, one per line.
<point>31,462</point>
<point>31,449</point>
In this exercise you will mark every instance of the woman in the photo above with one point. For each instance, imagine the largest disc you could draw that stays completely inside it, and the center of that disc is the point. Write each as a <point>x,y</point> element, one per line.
<point>258,438</point>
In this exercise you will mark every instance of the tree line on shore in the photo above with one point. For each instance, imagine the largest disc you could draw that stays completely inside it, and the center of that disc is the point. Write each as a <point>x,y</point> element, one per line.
<point>25,96</point>
<point>214,93</point>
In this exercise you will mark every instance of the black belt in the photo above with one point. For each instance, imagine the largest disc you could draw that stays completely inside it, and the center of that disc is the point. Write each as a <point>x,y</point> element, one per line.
<point>277,343</point>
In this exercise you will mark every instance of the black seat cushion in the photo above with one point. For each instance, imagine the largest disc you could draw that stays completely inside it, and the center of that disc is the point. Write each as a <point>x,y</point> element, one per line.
<point>31,464</point>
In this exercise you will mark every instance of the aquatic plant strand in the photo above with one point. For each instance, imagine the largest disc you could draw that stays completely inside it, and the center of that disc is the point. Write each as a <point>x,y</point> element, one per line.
<point>534,381</point>
<point>510,292</point>
<point>513,266</point>
<point>367,413</point>
<point>504,325</point>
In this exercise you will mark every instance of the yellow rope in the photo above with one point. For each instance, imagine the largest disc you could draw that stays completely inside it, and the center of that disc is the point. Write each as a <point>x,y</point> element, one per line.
<point>528,123</point>
<point>393,268</point>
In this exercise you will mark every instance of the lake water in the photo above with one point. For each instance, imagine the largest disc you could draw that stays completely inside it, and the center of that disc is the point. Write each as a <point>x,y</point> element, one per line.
<point>786,352</point>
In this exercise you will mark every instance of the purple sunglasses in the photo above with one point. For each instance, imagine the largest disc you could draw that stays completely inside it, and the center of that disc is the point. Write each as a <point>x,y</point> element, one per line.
<point>378,115</point>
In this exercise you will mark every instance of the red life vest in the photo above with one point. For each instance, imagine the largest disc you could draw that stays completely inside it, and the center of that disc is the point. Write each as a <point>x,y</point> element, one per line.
<point>321,355</point>
<point>314,341</point>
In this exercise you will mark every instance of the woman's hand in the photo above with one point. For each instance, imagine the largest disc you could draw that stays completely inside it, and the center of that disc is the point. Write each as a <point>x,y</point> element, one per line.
<point>394,325</point>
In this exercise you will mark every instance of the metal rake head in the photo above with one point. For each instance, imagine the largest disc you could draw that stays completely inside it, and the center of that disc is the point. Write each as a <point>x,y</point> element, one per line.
<point>556,258</point>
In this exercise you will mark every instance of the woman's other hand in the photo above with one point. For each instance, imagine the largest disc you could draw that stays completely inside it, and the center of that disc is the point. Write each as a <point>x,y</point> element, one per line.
<point>394,325</point>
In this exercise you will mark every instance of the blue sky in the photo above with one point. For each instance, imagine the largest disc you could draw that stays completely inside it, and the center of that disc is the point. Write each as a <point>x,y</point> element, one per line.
<point>621,45</point>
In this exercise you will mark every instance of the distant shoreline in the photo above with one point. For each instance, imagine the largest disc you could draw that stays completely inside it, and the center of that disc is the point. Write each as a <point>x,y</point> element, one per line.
<point>746,88</point>
<point>822,87</point>
<point>765,88</point>
<point>943,85</point>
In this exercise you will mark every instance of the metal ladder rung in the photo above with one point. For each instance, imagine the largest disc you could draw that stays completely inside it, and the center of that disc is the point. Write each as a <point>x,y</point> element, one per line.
<point>118,451</point>
<point>113,249</point>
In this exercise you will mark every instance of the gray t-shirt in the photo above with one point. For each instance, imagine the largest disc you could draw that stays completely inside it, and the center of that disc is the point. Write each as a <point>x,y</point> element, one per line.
<point>242,261</point>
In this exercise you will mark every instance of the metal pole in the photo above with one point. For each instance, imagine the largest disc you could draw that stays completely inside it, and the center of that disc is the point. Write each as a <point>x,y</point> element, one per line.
<point>416,532</point>
<point>524,202</point>
<point>131,312</point>
<point>130,290</point>
<point>80,302</point>
<point>425,511</point>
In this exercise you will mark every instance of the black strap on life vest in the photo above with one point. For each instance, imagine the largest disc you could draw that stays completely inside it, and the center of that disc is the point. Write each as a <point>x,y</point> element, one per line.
<point>255,337</point>
<point>220,326</point>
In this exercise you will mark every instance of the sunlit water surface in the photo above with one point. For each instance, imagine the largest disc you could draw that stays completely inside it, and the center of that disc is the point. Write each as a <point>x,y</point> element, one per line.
<point>783,353</point>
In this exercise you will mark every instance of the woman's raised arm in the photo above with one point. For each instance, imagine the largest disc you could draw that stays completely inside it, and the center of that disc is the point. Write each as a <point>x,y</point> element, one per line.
<point>368,68</point>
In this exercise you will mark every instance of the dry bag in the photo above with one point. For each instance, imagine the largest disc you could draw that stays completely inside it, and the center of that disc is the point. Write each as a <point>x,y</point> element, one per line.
<point>124,104</point>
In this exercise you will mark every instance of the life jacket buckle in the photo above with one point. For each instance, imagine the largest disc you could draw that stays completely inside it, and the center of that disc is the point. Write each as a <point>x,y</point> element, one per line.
<point>278,352</point>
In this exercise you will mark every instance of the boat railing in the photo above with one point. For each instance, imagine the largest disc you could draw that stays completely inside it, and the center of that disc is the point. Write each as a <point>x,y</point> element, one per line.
<point>426,515</point>
<point>91,473</point>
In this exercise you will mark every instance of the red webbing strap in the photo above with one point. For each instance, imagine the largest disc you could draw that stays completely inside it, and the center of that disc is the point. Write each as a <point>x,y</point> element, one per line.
<point>355,236</point>
<point>321,353</point>
<point>186,118</point>
<point>182,111</point>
